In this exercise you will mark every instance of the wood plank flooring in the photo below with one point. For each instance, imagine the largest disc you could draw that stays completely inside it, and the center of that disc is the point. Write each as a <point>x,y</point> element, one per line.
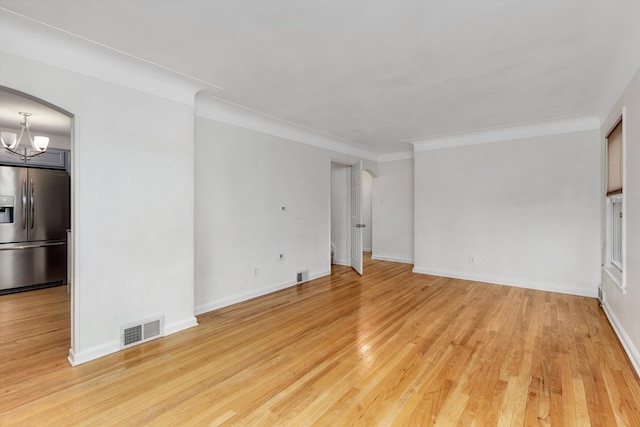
<point>389,348</point>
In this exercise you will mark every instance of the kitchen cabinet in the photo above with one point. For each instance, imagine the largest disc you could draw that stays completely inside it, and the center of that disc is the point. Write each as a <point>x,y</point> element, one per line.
<point>52,158</point>
<point>7,158</point>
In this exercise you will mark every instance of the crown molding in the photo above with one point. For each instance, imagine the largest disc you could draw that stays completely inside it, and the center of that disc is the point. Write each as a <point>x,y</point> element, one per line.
<point>213,108</point>
<point>31,39</point>
<point>507,133</point>
<point>397,155</point>
<point>40,42</point>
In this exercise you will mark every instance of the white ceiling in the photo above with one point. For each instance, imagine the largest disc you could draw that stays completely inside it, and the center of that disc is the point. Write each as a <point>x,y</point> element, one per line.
<point>378,73</point>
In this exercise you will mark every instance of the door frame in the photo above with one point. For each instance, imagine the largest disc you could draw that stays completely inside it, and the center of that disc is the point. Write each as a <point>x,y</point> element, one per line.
<point>347,164</point>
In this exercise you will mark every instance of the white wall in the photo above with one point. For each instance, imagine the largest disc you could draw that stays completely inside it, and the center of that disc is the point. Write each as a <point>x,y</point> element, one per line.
<point>243,177</point>
<point>367,188</point>
<point>622,309</point>
<point>340,222</point>
<point>133,210</point>
<point>392,215</point>
<point>527,210</point>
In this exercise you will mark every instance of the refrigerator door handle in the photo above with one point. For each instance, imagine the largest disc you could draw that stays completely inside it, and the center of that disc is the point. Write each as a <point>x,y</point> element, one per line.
<point>33,209</point>
<point>24,204</point>
<point>30,246</point>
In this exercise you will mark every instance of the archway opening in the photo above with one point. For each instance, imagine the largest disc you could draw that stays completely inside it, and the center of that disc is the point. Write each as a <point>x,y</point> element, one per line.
<point>36,260</point>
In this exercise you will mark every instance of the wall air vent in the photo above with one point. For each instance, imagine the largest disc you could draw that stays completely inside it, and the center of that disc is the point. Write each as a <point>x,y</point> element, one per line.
<point>132,335</point>
<point>302,276</point>
<point>142,331</point>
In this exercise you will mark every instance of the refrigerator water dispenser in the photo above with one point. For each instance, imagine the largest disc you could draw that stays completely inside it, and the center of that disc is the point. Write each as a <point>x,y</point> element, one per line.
<point>6,209</point>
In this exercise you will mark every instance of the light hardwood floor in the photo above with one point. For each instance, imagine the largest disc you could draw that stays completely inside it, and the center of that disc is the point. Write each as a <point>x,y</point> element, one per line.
<point>390,348</point>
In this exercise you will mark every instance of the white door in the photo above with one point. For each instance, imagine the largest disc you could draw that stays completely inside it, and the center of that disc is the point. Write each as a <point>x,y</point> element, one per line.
<point>356,217</point>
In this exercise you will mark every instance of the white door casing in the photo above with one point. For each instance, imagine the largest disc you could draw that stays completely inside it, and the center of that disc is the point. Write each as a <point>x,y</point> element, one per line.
<point>356,217</point>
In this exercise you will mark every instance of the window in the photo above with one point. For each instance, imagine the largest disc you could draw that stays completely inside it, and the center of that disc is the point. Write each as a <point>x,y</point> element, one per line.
<point>614,160</point>
<point>615,204</point>
<point>616,231</point>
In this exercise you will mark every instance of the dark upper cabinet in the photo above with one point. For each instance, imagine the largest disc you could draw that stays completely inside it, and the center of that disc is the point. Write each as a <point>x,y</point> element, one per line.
<point>52,158</point>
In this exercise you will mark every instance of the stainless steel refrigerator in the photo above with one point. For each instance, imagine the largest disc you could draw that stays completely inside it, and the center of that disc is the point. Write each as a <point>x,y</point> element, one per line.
<point>34,218</point>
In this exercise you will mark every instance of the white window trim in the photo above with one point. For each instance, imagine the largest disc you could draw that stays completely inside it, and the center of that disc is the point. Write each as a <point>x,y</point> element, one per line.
<point>617,276</point>
<point>617,198</point>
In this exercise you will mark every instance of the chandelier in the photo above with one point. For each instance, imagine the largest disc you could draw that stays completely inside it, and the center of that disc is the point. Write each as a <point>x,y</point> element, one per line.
<point>10,141</point>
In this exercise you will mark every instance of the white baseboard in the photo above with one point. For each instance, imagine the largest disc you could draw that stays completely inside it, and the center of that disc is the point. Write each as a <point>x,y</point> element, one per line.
<point>341,262</point>
<point>174,327</point>
<point>105,349</point>
<point>225,302</point>
<point>392,259</point>
<point>549,287</point>
<point>93,353</point>
<point>627,344</point>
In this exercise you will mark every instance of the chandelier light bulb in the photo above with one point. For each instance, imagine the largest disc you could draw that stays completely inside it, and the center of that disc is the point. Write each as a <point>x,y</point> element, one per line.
<point>9,140</point>
<point>40,143</point>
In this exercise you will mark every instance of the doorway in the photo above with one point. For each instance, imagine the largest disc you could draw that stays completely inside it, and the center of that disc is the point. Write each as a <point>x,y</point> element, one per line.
<point>48,120</point>
<point>349,193</point>
<point>340,213</point>
<point>367,211</point>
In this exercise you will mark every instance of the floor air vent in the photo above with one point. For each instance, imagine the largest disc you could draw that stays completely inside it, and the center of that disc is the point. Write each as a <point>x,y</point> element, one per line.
<point>302,276</point>
<point>139,332</point>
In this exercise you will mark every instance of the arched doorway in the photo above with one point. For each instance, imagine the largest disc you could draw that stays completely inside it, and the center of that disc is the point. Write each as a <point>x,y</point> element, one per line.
<point>44,261</point>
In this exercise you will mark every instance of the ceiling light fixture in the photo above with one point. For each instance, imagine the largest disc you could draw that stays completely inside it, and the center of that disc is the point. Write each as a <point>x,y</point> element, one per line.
<point>10,141</point>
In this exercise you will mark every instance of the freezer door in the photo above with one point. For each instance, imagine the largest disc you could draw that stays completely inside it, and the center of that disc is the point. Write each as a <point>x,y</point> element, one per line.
<point>48,201</point>
<point>29,264</point>
<point>13,215</point>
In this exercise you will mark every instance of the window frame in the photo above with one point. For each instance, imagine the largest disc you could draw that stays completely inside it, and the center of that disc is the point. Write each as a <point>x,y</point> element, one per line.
<point>616,234</point>
<point>614,269</point>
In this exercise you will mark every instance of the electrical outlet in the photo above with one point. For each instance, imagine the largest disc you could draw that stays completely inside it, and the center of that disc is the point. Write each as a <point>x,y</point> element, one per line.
<point>255,271</point>
<point>472,259</point>
<point>281,257</point>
